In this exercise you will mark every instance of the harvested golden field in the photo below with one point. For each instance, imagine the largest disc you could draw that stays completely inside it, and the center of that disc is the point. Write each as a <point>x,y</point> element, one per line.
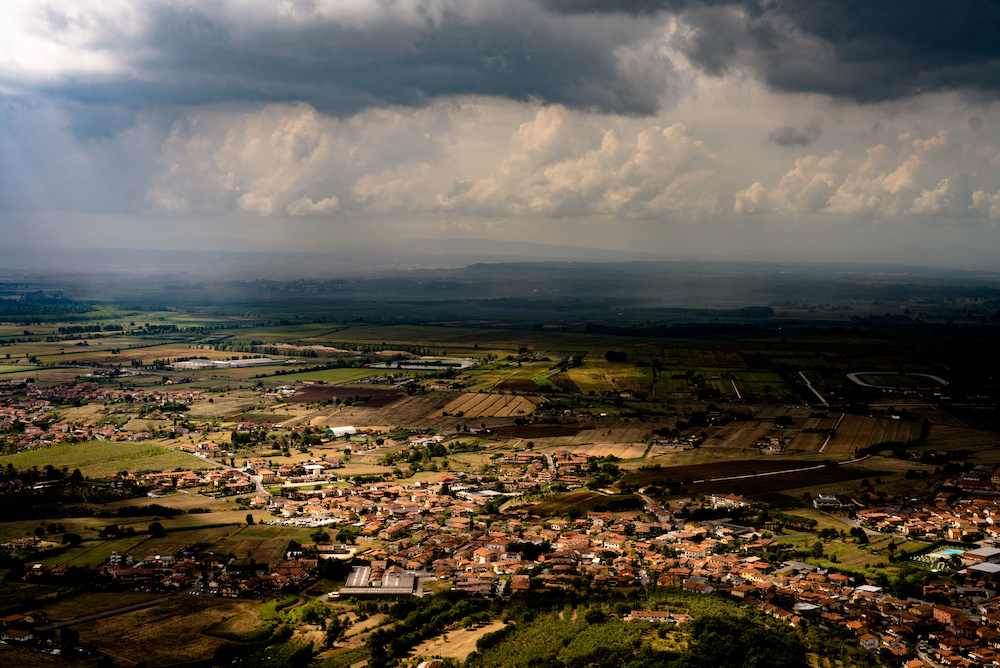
<point>490,406</point>
<point>620,450</point>
<point>141,635</point>
<point>808,442</point>
<point>407,411</point>
<point>91,602</point>
<point>738,434</point>
<point>457,644</point>
<point>854,433</point>
<point>948,437</point>
<point>619,432</point>
<point>631,435</point>
<point>237,627</point>
<point>857,432</point>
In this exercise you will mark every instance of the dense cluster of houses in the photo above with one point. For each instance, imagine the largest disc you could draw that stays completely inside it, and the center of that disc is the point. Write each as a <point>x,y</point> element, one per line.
<point>223,481</point>
<point>26,412</point>
<point>525,469</point>
<point>969,520</point>
<point>229,481</point>
<point>440,530</point>
<point>981,479</point>
<point>207,573</point>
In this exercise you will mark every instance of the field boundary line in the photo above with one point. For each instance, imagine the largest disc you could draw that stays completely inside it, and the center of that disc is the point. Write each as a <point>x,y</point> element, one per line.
<point>766,473</point>
<point>829,436</point>
<point>813,389</point>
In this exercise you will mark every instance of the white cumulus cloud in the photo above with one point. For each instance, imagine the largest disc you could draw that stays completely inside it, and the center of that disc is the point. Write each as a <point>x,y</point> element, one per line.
<point>931,176</point>
<point>560,165</point>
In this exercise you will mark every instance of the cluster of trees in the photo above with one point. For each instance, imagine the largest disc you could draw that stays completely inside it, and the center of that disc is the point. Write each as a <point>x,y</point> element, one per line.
<point>39,312</point>
<point>605,471</point>
<point>34,474</point>
<point>376,347</point>
<point>678,330</point>
<point>415,455</point>
<point>81,329</point>
<point>546,635</point>
<point>249,437</point>
<point>338,364</point>
<point>269,645</point>
<point>419,619</point>
<point>256,348</point>
<point>115,531</point>
<point>794,521</point>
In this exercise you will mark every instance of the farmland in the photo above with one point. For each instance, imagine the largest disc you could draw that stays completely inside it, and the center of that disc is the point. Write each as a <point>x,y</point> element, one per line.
<point>856,432</point>
<point>79,606</point>
<point>138,636</point>
<point>99,459</point>
<point>605,409</point>
<point>490,405</point>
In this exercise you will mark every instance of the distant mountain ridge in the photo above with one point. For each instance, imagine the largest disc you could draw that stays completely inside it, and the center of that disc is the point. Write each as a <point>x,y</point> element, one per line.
<point>372,259</point>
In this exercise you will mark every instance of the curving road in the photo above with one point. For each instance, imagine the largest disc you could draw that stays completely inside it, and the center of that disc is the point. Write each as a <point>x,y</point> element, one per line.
<point>854,378</point>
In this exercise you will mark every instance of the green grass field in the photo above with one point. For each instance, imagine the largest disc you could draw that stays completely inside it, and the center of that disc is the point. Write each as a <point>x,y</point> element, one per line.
<point>11,369</point>
<point>262,542</point>
<point>93,553</point>
<point>335,376</point>
<point>99,459</point>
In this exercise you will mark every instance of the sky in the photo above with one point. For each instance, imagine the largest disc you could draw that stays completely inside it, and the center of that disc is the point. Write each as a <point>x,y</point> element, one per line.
<point>757,129</point>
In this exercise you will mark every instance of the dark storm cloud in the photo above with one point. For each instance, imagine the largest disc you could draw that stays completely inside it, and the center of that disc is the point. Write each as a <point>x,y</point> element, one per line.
<point>791,135</point>
<point>867,52</point>
<point>627,6</point>
<point>585,54</point>
<point>191,56</point>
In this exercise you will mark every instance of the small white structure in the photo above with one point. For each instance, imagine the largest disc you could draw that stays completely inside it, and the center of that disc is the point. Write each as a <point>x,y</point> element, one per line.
<point>338,432</point>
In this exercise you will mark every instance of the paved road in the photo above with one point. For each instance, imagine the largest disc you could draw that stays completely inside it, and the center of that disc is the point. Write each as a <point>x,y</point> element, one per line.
<point>116,611</point>
<point>258,482</point>
<point>206,460</point>
<point>925,657</point>
<point>813,389</point>
<point>854,377</point>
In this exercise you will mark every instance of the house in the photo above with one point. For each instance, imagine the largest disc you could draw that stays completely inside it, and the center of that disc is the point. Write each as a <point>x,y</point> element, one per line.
<point>656,616</point>
<point>946,615</point>
<point>728,501</point>
<point>832,501</point>
<point>16,635</point>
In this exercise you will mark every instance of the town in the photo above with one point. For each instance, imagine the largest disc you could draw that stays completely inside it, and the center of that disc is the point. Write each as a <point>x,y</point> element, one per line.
<point>309,491</point>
